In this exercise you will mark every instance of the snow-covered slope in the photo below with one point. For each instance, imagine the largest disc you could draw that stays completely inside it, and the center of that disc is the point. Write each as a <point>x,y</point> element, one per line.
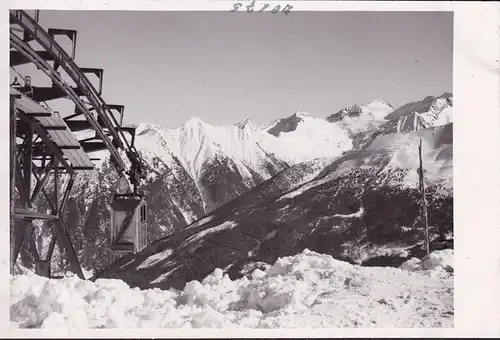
<point>429,112</point>
<point>197,142</point>
<point>226,161</point>
<point>426,113</point>
<point>301,137</point>
<point>308,290</point>
<point>361,118</point>
<point>400,151</point>
<point>211,154</point>
<point>362,208</point>
<point>291,140</point>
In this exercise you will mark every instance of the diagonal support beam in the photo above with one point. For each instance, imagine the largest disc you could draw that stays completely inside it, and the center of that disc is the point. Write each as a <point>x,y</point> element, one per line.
<point>52,245</point>
<point>65,197</point>
<point>19,234</point>
<point>65,242</point>
<point>40,184</point>
<point>50,144</point>
<point>25,228</point>
<point>47,197</point>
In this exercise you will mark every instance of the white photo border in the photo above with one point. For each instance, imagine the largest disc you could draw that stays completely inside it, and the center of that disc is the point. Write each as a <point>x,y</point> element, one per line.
<point>476,97</point>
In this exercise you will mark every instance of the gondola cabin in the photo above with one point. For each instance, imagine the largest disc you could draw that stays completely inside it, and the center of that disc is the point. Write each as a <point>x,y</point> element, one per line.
<point>128,224</point>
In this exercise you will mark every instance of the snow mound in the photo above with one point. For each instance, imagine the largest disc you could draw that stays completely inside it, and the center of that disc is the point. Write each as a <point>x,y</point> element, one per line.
<point>437,260</point>
<point>306,290</point>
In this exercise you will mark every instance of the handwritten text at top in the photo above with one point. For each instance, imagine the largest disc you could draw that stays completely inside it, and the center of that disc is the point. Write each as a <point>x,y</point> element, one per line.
<point>261,8</point>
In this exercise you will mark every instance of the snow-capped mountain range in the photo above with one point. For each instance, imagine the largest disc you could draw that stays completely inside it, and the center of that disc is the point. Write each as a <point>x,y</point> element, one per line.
<point>360,118</point>
<point>429,112</point>
<point>261,151</point>
<point>199,168</point>
<point>355,199</point>
<point>248,155</point>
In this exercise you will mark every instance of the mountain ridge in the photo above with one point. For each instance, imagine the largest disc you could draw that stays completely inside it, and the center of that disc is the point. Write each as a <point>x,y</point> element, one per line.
<point>353,209</point>
<point>220,165</point>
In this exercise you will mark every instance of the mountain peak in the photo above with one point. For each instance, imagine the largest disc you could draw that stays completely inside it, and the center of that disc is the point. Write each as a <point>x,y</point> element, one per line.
<point>193,122</point>
<point>247,122</point>
<point>422,106</point>
<point>376,109</point>
<point>143,128</point>
<point>287,124</point>
<point>301,114</point>
<point>379,102</point>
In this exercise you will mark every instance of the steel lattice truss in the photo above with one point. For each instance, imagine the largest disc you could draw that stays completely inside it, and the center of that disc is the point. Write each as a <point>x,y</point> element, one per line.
<point>44,147</point>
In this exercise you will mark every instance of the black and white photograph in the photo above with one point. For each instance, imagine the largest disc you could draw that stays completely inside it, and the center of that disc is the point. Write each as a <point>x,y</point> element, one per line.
<point>257,167</point>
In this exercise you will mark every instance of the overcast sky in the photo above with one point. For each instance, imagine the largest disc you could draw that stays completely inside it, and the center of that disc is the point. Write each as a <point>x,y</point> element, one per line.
<point>222,67</point>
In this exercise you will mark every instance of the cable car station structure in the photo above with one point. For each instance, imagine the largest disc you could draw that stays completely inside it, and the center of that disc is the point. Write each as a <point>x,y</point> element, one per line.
<point>44,145</point>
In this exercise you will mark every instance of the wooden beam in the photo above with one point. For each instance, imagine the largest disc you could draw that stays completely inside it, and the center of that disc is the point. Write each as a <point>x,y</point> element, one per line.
<point>35,215</point>
<point>93,146</point>
<point>17,58</point>
<point>41,158</point>
<point>56,151</point>
<point>74,115</point>
<point>78,125</point>
<point>43,94</point>
<point>69,147</point>
<point>79,168</point>
<point>36,114</point>
<point>122,247</point>
<point>55,127</point>
<point>81,81</point>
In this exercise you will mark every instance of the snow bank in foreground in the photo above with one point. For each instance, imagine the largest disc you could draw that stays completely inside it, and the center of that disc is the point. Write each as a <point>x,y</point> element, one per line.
<point>305,290</point>
<point>437,260</point>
